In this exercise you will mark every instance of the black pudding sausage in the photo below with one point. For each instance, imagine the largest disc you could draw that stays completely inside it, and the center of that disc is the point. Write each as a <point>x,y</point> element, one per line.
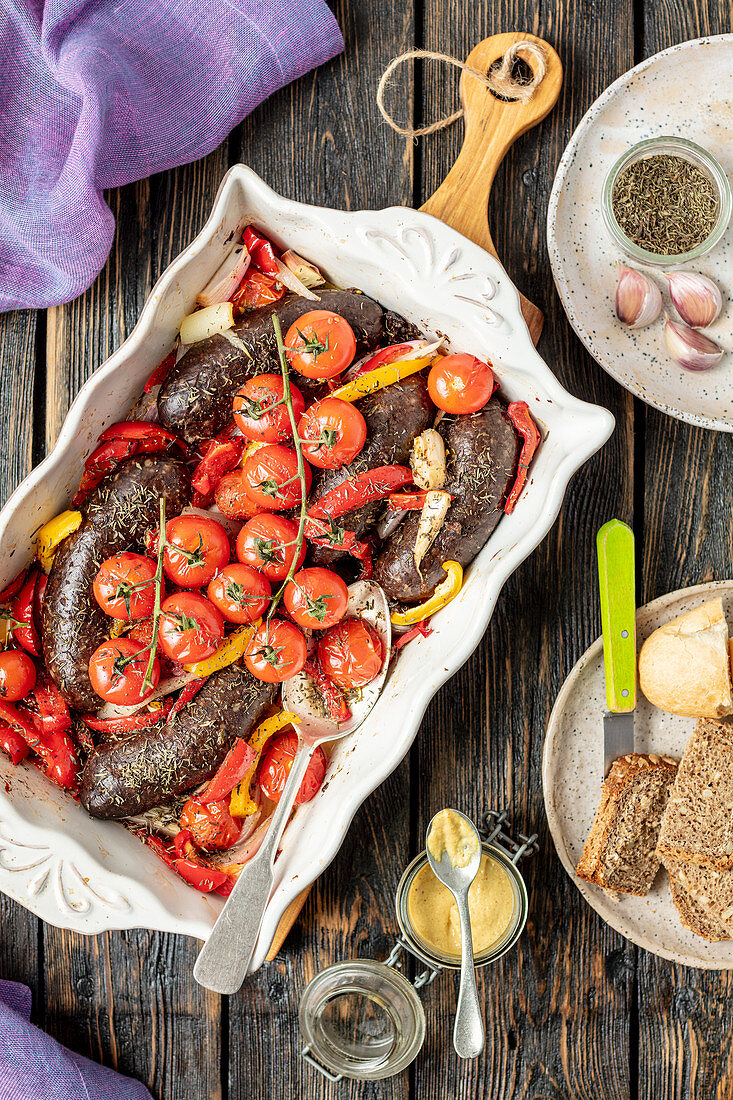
<point>195,401</point>
<point>482,451</point>
<point>130,774</point>
<point>117,514</point>
<point>394,417</point>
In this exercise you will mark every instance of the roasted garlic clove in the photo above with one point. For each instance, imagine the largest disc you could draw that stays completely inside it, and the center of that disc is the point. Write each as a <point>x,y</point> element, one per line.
<point>638,299</point>
<point>696,298</point>
<point>693,350</point>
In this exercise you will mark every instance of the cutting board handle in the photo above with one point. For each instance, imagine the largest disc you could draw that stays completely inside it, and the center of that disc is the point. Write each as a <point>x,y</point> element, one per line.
<point>492,126</point>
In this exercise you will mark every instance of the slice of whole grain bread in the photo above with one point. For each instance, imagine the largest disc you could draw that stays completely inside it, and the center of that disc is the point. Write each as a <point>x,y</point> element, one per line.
<point>697,826</point>
<point>620,852</point>
<point>711,890</point>
<point>692,914</point>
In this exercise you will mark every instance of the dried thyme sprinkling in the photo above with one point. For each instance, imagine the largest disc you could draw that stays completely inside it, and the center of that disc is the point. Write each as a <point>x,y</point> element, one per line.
<point>665,204</point>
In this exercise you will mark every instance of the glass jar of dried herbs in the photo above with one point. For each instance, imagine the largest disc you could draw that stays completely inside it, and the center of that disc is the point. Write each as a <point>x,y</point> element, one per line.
<point>666,201</point>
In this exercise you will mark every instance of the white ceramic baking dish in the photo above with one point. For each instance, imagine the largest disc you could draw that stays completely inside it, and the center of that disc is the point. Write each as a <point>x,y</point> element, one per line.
<point>90,875</point>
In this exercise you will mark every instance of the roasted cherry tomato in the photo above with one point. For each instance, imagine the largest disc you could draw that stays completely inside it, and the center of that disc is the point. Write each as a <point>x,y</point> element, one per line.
<point>117,671</point>
<point>190,629</point>
<point>276,651</point>
<point>316,598</point>
<point>350,653</point>
<point>232,499</point>
<point>124,586</point>
<point>268,543</point>
<point>277,760</point>
<point>251,405</point>
<point>211,826</point>
<point>240,592</point>
<point>332,433</point>
<point>320,344</point>
<point>270,477</point>
<point>198,548</point>
<point>17,675</point>
<point>460,383</point>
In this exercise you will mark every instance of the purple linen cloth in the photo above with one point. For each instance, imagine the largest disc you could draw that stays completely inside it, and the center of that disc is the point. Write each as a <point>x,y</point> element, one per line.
<point>33,1066</point>
<point>98,93</point>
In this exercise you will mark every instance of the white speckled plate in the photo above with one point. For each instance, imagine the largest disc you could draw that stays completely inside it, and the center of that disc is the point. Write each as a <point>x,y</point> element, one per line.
<point>686,91</point>
<point>572,773</point>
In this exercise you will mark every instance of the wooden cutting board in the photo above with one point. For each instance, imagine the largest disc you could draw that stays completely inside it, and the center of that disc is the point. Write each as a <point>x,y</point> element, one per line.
<point>492,126</point>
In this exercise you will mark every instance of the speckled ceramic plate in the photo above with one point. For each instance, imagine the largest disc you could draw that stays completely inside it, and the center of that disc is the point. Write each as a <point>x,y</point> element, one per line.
<point>572,773</point>
<point>686,91</point>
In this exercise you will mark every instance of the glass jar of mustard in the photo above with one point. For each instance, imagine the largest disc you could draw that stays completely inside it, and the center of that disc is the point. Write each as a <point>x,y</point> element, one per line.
<point>363,1019</point>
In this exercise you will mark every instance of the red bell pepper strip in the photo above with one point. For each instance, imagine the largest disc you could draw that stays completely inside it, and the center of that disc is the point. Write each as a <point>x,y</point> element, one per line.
<point>232,771</point>
<point>14,745</point>
<point>257,289</point>
<point>161,372</point>
<point>22,610</point>
<point>141,429</point>
<point>203,878</point>
<point>355,491</point>
<point>407,502</point>
<point>183,844</point>
<point>155,844</point>
<point>333,698</point>
<point>56,751</point>
<point>332,536</point>
<point>128,722</point>
<point>189,691</point>
<point>53,712</point>
<point>519,415</point>
<point>13,588</point>
<point>261,252</point>
<point>220,455</point>
<point>226,887</point>
<point>418,630</point>
<point>112,451</point>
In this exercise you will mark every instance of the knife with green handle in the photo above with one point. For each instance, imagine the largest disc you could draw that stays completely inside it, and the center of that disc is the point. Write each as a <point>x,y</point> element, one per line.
<point>617,579</point>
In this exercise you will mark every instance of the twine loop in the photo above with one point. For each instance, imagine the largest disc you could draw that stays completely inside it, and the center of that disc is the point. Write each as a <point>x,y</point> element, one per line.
<point>500,81</point>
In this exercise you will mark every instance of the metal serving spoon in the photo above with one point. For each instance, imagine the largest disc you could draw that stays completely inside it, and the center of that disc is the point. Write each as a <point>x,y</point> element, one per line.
<point>225,957</point>
<point>468,1030</point>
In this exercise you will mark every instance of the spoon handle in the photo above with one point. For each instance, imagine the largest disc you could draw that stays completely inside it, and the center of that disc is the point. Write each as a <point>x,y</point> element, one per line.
<point>468,1030</point>
<point>223,960</point>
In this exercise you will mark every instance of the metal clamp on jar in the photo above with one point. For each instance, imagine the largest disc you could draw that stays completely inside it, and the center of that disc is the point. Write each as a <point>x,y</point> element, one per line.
<point>363,1019</point>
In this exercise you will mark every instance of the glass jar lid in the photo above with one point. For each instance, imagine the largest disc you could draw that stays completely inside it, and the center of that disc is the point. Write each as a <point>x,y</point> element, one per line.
<point>361,1019</point>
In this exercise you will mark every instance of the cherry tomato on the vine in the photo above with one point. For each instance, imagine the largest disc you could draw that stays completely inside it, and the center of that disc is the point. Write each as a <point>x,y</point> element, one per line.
<point>269,543</point>
<point>270,477</point>
<point>240,592</point>
<point>17,675</point>
<point>232,499</point>
<point>117,671</point>
<point>277,760</point>
<point>124,586</point>
<point>320,344</point>
<point>251,404</point>
<point>460,383</point>
<point>190,628</point>
<point>276,651</point>
<point>350,653</point>
<point>198,548</point>
<point>316,598</point>
<point>332,432</point>
<point>211,825</point>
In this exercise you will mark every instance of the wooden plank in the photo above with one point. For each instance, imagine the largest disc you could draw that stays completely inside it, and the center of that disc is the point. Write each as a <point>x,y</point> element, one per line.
<point>685,1014</point>
<point>557,1009</point>
<point>129,999</point>
<point>324,143</point>
<point>18,337</point>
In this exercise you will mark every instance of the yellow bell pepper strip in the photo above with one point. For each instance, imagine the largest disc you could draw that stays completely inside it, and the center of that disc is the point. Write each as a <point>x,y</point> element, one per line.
<point>377,379</point>
<point>241,804</point>
<point>230,650</point>
<point>54,532</point>
<point>442,595</point>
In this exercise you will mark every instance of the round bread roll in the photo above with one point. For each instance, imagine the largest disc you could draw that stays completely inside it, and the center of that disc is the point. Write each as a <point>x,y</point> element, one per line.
<point>684,666</point>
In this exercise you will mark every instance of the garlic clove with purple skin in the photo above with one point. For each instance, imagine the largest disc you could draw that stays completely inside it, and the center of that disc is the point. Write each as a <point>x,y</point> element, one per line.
<point>638,299</point>
<point>696,298</point>
<point>693,350</point>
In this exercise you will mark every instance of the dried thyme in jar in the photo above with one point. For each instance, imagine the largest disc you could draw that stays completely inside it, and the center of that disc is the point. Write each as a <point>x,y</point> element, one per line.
<point>665,204</point>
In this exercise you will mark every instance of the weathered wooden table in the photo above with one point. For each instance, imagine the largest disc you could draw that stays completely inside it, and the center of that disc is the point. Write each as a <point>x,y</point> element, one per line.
<point>575,1012</point>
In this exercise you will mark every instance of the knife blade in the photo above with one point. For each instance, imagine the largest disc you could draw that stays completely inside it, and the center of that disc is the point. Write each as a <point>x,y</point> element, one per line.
<point>617,581</point>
